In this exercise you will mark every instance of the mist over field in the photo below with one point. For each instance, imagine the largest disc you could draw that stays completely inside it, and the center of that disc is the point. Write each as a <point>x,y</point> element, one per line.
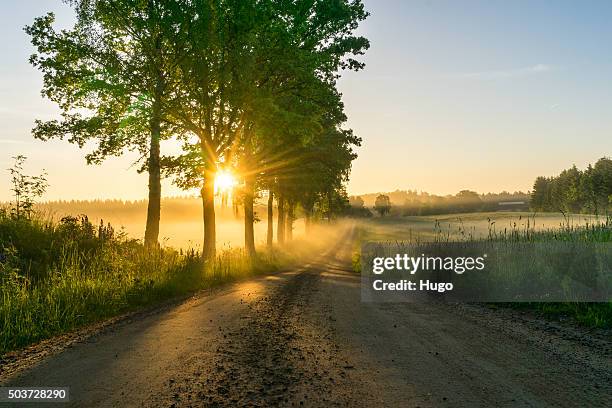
<point>182,228</point>
<point>471,226</point>
<point>181,220</point>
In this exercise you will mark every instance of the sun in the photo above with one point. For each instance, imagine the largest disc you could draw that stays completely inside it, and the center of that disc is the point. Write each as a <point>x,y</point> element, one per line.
<point>224,181</point>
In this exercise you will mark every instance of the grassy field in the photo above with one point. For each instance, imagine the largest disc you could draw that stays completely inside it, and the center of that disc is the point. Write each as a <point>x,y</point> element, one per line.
<point>470,226</point>
<point>503,227</point>
<point>55,277</point>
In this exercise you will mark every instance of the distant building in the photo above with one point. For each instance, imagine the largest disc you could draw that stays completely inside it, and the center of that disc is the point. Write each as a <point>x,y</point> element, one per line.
<point>513,205</point>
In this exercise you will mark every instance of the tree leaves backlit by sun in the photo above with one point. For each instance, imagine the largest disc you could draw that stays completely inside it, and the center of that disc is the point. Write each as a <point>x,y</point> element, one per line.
<point>248,88</point>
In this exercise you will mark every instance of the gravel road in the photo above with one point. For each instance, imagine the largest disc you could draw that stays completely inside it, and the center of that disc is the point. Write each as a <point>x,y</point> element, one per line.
<point>304,338</point>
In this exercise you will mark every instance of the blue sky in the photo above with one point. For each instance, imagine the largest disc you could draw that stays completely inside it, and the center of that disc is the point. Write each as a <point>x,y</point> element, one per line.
<point>457,94</point>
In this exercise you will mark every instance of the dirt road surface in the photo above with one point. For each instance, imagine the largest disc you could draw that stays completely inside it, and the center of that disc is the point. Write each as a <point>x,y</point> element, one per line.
<point>304,338</point>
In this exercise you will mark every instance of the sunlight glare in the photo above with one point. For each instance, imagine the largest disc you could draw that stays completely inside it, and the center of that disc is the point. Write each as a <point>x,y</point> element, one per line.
<point>224,181</point>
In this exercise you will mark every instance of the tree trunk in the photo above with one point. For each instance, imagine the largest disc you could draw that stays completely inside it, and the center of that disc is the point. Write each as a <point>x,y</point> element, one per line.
<point>307,221</point>
<point>280,224</point>
<point>154,204</point>
<point>208,211</point>
<point>290,219</point>
<point>270,235</point>
<point>235,209</point>
<point>249,219</point>
<point>329,204</point>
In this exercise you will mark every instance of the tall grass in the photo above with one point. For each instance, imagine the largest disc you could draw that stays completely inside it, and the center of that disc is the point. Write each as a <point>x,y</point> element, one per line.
<point>588,314</point>
<point>523,230</point>
<point>55,277</point>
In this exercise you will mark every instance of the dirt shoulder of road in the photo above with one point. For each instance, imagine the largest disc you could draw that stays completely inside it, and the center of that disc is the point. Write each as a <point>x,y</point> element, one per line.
<point>16,361</point>
<point>565,336</point>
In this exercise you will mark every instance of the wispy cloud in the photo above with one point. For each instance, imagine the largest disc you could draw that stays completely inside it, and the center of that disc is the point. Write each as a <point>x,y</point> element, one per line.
<point>509,73</point>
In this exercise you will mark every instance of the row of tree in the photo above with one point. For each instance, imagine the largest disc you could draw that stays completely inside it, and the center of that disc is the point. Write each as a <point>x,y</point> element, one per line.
<point>410,202</point>
<point>243,86</point>
<point>575,191</point>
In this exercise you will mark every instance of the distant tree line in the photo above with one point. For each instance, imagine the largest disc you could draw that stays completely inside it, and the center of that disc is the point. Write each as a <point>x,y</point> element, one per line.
<point>576,191</point>
<point>408,202</point>
<point>172,208</point>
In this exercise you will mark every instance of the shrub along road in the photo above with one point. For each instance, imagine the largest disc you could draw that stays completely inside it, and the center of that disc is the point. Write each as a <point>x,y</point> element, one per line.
<point>303,337</point>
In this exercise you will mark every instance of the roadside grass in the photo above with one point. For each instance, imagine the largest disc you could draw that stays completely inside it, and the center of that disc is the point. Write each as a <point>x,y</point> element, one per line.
<point>55,277</point>
<point>504,228</point>
<point>594,315</point>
